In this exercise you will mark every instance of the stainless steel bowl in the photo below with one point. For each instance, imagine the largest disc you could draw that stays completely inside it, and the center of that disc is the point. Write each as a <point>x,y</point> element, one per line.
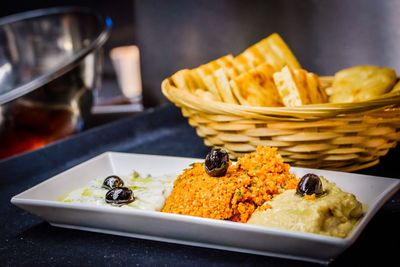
<point>50,65</point>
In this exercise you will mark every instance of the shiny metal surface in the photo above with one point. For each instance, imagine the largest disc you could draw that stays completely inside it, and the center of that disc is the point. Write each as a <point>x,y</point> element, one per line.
<point>39,46</point>
<point>50,64</point>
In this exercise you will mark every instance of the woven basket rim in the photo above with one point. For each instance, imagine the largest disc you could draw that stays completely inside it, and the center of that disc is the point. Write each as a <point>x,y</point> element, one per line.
<point>183,98</point>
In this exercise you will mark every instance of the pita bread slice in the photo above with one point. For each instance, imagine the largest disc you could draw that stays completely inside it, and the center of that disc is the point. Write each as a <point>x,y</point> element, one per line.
<point>256,87</point>
<point>244,62</point>
<point>229,66</point>
<point>278,47</point>
<point>211,85</point>
<point>196,80</point>
<point>267,54</point>
<point>192,81</point>
<point>315,90</point>
<point>396,87</point>
<point>204,72</point>
<point>292,87</point>
<point>362,83</point>
<point>183,80</point>
<point>272,50</point>
<point>223,86</point>
<point>209,68</point>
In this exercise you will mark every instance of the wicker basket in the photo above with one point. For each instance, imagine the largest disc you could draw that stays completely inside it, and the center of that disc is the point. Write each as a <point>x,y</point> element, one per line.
<point>347,137</point>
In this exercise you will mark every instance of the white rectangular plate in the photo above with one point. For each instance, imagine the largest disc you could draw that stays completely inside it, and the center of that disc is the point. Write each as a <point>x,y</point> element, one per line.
<point>41,200</point>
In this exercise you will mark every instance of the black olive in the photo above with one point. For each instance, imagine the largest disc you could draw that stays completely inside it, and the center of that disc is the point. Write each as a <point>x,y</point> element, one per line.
<point>119,196</point>
<point>310,184</point>
<point>217,162</point>
<point>112,181</point>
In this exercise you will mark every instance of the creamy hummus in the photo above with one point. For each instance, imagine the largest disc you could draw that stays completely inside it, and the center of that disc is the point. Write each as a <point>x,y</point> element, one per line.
<point>335,213</point>
<point>150,192</point>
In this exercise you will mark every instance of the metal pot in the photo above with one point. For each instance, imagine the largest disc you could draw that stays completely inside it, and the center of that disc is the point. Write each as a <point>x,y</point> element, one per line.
<point>50,66</point>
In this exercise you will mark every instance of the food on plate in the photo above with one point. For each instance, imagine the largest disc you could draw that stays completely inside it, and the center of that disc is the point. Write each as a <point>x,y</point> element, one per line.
<point>135,191</point>
<point>260,189</point>
<point>327,210</point>
<point>362,83</point>
<point>297,87</point>
<point>119,196</point>
<point>254,179</point>
<point>310,184</point>
<point>217,162</point>
<point>112,181</point>
<point>256,87</point>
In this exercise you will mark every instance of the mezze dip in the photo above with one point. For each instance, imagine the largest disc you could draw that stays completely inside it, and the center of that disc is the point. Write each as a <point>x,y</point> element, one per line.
<point>149,192</point>
<point>334,213</point>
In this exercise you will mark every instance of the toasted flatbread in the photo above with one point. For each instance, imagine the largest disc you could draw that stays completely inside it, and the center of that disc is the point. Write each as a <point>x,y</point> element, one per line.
<point>263,50</point>
<point>248,78</point>
<point>205,73</point>
<point>362,83</point>
<point>229,66</point>
<point>225,62</point>
<point>310,82</point>
<point>222,83</point>
<point>282,50</point>
<point>292,87</point>
<point>183,80</point>
<point>211,85</point>
<point>245,63</point>
<point>256,87</point>
<point>317,93</point>
<point>272,50</point>
<point>396,87</point>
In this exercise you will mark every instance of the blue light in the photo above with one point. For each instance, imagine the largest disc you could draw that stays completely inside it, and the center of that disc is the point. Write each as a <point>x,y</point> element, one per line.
<point>108,22</point>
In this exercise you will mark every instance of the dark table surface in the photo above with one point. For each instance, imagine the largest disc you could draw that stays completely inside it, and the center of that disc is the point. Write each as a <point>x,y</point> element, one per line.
<point>26,240</point>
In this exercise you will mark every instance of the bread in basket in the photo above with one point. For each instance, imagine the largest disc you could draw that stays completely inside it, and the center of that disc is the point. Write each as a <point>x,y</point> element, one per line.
<point>263,97</point>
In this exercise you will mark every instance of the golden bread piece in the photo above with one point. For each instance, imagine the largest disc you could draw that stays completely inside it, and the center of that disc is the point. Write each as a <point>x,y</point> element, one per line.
<point>246,61</point>
<point>256,87</point>
<point>316,91</point>
<point>272,50</point>
<point>292,87</point>
<point>225,62</point>
<point>298,87</point>
<point>211,86</point>
<point>361,83</point>
<point>222,83</point>
<point>282,50</point>
<point>229,66</point>
<point>205,73</point>
<point>396,88</point>
<point>196,78</point>
<point>183,80</point>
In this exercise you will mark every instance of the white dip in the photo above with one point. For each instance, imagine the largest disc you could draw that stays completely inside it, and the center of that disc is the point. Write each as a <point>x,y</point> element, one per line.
<point>150,192</point>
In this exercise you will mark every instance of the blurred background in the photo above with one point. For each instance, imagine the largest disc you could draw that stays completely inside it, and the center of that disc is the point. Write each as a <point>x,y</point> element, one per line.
<point>324,35</point>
